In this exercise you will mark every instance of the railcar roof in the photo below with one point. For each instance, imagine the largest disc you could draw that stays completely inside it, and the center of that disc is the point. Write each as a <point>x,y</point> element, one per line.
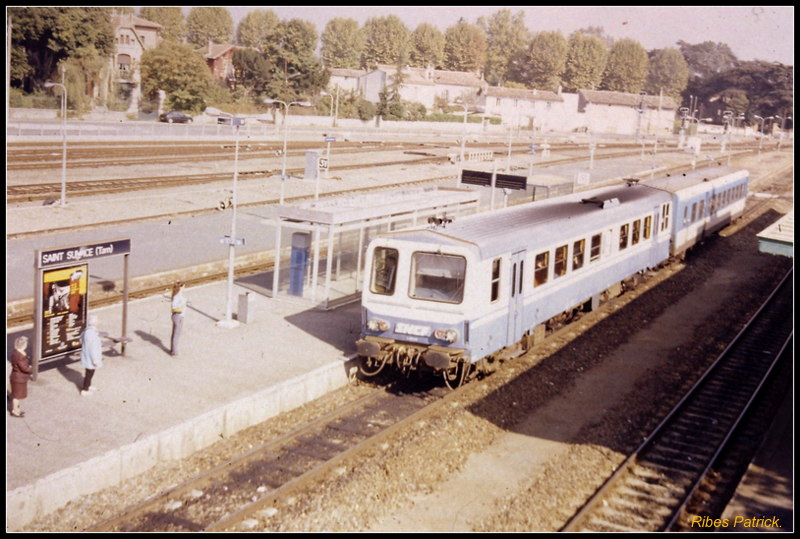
<point>687,180</point>
<point>537,224</point>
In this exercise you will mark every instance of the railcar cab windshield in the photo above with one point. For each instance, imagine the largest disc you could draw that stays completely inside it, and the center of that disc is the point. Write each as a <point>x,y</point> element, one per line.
<point>433,276</point>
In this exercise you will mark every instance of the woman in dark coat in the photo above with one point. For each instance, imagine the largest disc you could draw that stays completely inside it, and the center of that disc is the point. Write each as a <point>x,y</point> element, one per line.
<point>20,373</point>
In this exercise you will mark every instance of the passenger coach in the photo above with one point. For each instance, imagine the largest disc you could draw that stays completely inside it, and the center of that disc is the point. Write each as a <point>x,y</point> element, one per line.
<point>470,293</point>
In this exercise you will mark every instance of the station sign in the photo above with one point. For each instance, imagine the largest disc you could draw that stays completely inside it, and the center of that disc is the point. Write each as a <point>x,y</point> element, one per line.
<point>323,163</point>
<point>330,139</point>
<point>67,255</point>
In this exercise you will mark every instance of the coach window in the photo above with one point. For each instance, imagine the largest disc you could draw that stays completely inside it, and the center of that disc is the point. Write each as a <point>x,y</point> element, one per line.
<point>495,279</point>
<point>694,212</point>
<point>686,215</point>
<point>637,225</point>
<point>702,211</point>
<point>542,267</point>
<point>648,225</point>
<point>623,236</point>
<point>384,268</point>
<point>596,243</point>
<point>437,277</point>
<point>560,262</point>
<point>578,254</point>
<point>664,217</point>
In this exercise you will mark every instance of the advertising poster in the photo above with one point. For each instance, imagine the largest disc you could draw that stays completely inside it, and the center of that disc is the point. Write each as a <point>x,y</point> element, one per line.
<point>63,309</point>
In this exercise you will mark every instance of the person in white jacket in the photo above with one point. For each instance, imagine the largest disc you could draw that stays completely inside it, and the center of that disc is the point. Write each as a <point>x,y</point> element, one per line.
<point>91,353</point>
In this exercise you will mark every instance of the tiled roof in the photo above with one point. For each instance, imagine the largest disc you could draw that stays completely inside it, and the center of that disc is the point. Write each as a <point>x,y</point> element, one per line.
<point>132,21</point>
<point>603,97</point>
<point>457,78</point>
<point>339,72</point>
<point>215,50</point>
<point>523,93</point>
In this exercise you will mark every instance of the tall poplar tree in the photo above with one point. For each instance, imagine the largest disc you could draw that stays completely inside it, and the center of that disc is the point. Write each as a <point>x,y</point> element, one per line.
<point>206,23</point>
<point>506,39</point>
<point>170,18</point>
<point>545,61</point>
<point>626,70</point>
<point>464,47</point>
<point>342,44</point>
<point>257,29</point>
<point>586,61</point>
<point>387,40</point>
<point>427,46</point>
<point>667,72</point>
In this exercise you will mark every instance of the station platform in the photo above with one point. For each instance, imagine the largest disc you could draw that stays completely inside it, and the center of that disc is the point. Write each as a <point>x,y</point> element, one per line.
<point>151,406</point>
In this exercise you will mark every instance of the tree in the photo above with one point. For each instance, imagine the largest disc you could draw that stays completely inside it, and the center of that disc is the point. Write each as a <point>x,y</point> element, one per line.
<point>170,17</point>
<point>295,71</point>
<point>626,69</point>
<point>342,44</point>
<point>545,61</point>
<point>257,28</point>
<point>181,72</point>
<point>253,71</point>
<point>669,72</point>
<point>386,40</point>
<point>707,58</point>
<point>209,23</point>
<point>43,37</point>
<point>756,87</point>
<point>464,48</point>
<point>586,61</point>
<point>506,40</point>
<point>427,46</point>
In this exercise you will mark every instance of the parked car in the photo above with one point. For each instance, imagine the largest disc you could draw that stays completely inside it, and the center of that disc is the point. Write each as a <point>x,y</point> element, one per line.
<point>228,120</point>
<point>176,117</point>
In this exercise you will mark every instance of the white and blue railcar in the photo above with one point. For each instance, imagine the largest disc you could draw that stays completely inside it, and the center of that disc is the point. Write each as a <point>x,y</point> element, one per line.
<point>704,202</point>
<point>446,299</point>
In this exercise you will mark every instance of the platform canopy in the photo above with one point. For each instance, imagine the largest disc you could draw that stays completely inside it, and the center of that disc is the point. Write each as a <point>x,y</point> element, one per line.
<point>321,243</point>
<point>778,238</point>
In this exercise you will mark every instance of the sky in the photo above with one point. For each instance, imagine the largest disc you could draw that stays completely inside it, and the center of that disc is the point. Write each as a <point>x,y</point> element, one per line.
<point>752,32</point>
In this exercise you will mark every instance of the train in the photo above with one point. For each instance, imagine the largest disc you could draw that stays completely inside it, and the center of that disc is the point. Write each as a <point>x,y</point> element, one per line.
<point>458,297</point>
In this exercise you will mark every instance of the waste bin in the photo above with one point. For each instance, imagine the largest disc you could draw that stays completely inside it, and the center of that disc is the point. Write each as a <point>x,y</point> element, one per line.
<point>245,308</point>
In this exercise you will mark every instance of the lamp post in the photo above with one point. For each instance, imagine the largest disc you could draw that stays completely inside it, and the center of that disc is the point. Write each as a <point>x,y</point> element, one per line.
<point>270,101</point>
<point>783,124</point>
<point>761,132</point>
<point>63,133</point>
<point>229,322</point>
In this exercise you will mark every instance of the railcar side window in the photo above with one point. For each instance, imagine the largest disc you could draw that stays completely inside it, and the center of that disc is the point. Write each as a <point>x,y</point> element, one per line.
<point>542,267</point>
<point>437,277</point>
<point>686,215</point>
<point>495,279</point>
<point>596,243</point>
<point>623,236</point>
<point>578,254</point>
<point>694,212</point>
<point>702,210</point>
<point>648,226</point>
<point>664,217</point>
<point>384,270</point>
<point>560,264</point>
<point>637,225</point>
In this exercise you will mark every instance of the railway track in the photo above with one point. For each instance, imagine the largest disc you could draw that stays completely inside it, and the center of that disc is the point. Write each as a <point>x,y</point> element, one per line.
<point>25,314</point>
<point>40,191</point>
<point>93,156</point>
<point>651,489</point>
<point>221,498</point>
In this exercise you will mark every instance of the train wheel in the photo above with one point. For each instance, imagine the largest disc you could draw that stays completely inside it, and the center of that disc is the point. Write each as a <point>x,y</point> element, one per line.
<point>371,366</point>
<point>454,377</point>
